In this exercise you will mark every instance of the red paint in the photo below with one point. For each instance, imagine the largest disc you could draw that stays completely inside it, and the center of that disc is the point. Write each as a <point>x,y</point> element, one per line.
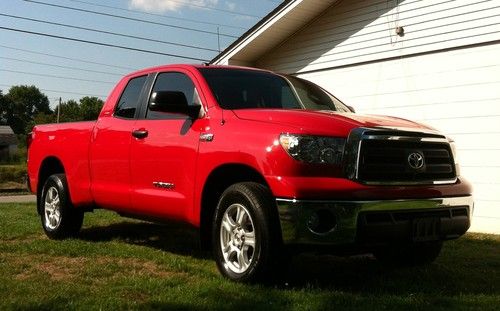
<point>108,167</point>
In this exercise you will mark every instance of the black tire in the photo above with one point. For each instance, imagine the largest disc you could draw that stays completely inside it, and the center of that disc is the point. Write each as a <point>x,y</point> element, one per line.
<point>409,254</point>
<point>259,219</point>
<point>60,220</point>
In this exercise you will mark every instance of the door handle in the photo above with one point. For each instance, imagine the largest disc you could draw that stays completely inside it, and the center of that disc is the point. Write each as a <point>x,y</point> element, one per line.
<point>142,133</point>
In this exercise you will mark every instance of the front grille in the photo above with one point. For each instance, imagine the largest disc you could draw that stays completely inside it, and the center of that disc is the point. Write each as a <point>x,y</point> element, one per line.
<point>388,161</point>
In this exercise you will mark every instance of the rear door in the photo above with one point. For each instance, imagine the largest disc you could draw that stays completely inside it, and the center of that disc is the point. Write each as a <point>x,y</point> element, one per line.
<point>110,149</point>
<point>163,162</point>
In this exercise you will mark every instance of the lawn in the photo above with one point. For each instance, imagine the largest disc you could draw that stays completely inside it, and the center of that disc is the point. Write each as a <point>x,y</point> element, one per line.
<point>118,263</point>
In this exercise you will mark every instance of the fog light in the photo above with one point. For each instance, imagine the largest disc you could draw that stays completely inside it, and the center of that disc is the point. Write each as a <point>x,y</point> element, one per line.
<point>322,222</point>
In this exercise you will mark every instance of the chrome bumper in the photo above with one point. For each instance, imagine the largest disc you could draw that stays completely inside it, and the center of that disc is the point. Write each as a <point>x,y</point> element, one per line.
<point>393,219</point>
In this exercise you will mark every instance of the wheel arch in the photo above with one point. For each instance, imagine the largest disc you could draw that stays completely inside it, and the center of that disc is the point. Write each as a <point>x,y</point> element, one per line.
<point>49,166</point>
<point>217,181</point>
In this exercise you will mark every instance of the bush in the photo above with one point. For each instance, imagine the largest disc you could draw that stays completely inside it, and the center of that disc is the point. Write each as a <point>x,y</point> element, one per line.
<point>18,158</point>
<point>14,173</point>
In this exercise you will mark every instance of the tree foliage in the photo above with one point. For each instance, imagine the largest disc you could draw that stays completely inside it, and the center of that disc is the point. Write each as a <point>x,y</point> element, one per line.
<point>21,104</point>
<point>70,111</point>
<point>3,109</point>
<point>90,107</point>
<point>25,106</point>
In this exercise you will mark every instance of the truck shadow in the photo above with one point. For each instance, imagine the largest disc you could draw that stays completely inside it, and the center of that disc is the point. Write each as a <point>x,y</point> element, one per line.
<point>177,238</point>
<point>468,265</point>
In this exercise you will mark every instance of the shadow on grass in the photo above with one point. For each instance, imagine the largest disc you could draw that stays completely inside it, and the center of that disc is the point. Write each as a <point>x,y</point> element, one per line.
<point>468,265</point>
<point>171,237</point>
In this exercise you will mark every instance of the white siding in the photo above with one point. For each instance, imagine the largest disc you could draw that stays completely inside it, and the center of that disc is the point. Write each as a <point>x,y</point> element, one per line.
<point>452,81</point>
<point>361,31</point>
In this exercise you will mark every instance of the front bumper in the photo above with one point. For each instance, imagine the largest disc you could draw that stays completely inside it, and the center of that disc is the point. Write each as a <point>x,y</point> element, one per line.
<point>373,222</point>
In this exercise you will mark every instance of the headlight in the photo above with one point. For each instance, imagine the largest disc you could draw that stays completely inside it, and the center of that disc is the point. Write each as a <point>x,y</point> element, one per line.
<point>314,149</point>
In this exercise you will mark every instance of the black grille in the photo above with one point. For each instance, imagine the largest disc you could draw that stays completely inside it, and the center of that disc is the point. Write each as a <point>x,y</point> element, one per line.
<point>388,161</point>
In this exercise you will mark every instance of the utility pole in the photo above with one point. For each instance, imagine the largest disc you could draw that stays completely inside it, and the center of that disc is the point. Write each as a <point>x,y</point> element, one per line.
<point>59,110</point>
<point>218,38</point>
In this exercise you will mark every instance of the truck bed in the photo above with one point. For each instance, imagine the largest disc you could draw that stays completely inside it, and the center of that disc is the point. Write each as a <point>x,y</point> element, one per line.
<point>68,142</point>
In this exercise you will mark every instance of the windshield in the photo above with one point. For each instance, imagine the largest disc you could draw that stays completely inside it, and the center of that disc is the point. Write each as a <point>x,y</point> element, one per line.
<point>314,97</point>
<point>243,89</point>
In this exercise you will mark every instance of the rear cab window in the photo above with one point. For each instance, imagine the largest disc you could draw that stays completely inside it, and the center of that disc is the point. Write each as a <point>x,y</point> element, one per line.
<point>128,104</point>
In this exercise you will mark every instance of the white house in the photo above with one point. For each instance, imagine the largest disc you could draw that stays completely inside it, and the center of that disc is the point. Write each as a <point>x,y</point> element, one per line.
<point>434,61</point>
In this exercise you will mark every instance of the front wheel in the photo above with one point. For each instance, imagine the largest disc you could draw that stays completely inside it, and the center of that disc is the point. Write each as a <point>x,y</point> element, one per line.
<point>245,233</point>
<point>60,219</point>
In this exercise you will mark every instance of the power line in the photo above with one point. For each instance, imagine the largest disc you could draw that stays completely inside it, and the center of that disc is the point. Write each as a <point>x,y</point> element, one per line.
<point>65,57</point>
<point>130,18</point>
<point>60,66</point>
<point>212,8</point>
<point>101,44</point>
<point>158,15</point>
<point>62,92</point>
<point>57,77</point>
<point>108,32</point>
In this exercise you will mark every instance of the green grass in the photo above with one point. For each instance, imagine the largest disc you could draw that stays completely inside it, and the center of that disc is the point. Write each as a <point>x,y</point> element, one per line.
<point>117,264</point>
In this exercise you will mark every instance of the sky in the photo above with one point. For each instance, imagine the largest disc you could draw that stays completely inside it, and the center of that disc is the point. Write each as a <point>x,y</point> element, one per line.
<point>41,40</point>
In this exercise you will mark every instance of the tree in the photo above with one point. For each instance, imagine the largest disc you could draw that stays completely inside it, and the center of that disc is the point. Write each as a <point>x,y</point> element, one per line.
<point>22,104</point>
<point>70,111</point>
<point>90,107</point>
<point>3,109</point>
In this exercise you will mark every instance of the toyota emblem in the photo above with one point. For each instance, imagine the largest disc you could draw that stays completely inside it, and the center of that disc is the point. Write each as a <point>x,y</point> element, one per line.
<point>416,160</point>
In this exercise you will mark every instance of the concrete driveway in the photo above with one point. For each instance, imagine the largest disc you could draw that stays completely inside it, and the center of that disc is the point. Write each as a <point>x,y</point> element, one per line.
<point>18,198</point>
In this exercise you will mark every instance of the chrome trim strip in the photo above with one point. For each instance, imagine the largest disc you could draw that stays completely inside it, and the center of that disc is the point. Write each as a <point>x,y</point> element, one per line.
<point>411,183</point>
<point>357,159</point>
<point>442,202</point>
<point>406,138</point>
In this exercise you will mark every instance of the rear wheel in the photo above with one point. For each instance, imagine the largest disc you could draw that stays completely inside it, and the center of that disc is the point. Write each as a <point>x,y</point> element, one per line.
<point>410,254</point>
<point>245,236</point>
<point>60,219</point>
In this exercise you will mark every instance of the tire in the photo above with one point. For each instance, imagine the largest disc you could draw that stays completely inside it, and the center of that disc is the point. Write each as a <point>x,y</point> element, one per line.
<point>246,233</point>
<point>409,255</point>
<point>60,220</point>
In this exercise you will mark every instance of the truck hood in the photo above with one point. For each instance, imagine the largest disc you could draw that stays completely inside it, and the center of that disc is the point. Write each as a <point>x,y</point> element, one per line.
<point>326,122</point>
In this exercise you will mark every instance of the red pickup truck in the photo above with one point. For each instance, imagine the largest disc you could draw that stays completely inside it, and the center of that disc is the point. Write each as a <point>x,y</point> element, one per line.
<point>260,162</point>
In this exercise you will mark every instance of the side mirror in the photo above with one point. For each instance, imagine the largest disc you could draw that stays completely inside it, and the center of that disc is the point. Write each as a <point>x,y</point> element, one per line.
<point>351,108</point>
<point>173,102</point>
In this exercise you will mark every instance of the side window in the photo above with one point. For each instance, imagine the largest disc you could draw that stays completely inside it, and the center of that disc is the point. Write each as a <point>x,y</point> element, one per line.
<point>173,81</point>
<point>129,101</point>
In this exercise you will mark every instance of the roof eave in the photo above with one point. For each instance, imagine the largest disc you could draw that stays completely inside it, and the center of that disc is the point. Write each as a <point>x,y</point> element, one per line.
<point>246,37</point>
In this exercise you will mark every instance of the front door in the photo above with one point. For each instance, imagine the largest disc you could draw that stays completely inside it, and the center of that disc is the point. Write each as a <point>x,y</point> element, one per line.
<point>163,161</point>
